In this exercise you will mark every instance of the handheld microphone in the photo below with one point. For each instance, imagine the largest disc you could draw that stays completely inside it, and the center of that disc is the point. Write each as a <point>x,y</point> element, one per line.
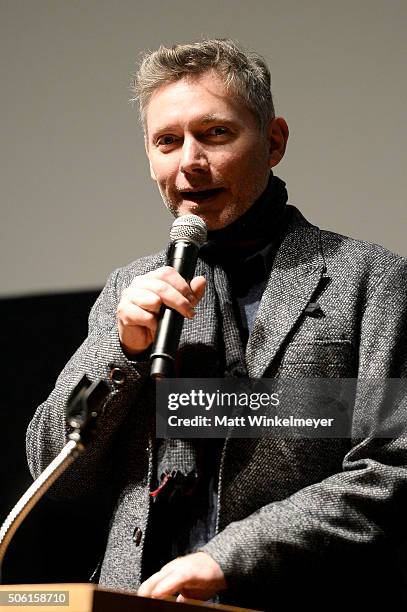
<point>187,235</point>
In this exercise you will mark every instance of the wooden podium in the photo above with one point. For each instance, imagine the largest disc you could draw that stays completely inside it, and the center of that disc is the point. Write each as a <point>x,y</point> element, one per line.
<point>91,598</point>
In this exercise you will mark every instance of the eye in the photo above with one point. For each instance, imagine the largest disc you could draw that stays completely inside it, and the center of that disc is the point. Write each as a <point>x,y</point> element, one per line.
<point>165,140</point>
<point>219,130</point>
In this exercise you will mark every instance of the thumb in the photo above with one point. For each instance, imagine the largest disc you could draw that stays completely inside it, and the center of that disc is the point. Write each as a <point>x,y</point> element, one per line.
<point>198,285</point>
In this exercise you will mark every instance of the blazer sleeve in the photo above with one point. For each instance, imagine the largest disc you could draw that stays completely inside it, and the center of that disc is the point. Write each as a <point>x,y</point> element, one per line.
<point>97,357</point>
<point>348,512</point>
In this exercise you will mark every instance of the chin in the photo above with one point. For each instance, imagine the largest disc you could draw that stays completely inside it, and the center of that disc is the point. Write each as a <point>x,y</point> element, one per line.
<point>215,224</point>
<point>214,219</point>
<point>222,219</point>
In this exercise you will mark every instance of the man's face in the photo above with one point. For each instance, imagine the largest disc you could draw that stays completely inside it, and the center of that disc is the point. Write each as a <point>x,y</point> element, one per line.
<point>206,150</point>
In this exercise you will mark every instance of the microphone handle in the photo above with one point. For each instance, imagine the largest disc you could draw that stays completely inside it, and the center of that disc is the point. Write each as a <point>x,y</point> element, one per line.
<point>182,256</point>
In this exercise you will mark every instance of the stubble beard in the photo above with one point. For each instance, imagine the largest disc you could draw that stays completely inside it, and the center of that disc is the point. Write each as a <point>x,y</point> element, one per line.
<point>230,212</point>
<point>168,204</point>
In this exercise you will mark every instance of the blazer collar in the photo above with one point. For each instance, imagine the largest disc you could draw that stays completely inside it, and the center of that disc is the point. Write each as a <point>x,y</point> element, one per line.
<point>296,272</point>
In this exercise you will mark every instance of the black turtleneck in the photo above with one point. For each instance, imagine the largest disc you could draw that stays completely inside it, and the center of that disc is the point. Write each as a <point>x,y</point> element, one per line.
<point>259,226</point>
<point>246,249</point>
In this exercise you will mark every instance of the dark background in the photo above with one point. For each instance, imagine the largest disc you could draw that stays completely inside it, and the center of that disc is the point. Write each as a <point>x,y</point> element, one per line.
<point>59,541</point>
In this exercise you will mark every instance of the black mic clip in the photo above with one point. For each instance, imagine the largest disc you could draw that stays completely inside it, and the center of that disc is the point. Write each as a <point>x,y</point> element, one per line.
<point>85,403</point>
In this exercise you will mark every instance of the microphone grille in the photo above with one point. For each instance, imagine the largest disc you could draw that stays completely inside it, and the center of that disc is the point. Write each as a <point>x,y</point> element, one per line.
<point>189,227</point>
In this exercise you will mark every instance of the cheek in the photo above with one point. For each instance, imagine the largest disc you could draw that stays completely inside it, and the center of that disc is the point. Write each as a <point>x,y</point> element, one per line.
<point>229,164</point>
<point>244,167</point>
<point>250,155</point>
<point>165,172</point>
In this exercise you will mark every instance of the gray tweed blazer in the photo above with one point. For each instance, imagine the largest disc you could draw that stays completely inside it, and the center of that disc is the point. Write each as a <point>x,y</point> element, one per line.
<point>297,518</point>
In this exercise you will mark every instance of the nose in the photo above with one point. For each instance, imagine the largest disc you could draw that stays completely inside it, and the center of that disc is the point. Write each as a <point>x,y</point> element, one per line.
<point>193,157</point>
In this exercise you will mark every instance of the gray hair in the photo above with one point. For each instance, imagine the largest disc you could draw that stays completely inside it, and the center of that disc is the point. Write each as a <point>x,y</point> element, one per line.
<point>245,74</point>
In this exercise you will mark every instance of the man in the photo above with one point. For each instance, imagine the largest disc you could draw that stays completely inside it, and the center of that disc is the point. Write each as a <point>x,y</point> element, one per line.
<point>256,522</point>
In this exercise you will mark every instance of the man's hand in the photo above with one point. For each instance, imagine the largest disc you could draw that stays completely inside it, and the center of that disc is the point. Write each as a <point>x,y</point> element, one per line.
<point>195,576</point>
<point>141,302</point>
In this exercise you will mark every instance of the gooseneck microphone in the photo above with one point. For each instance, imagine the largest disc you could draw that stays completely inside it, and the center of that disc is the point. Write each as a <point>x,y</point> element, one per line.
<point>187,235</point>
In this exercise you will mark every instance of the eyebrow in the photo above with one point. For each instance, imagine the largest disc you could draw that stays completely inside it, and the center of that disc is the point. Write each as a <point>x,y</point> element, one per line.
<point>213,117</point>
<point>210,118</point>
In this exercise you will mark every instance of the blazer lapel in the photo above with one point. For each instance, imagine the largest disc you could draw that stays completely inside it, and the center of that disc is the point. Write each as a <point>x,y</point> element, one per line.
<point>296,273</point>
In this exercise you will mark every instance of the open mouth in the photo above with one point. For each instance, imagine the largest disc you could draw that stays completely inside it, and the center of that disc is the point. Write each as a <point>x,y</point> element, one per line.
<point>200,196</point>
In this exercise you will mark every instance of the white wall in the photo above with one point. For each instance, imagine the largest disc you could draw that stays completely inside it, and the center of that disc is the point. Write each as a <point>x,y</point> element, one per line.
<point>76,197</point>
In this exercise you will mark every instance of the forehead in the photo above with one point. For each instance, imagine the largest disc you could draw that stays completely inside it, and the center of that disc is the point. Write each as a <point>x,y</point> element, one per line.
<point>197,97</point>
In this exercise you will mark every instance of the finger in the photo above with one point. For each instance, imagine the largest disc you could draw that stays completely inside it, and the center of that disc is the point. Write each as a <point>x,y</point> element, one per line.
<point>133,315</point>
<point>170,584</point>
<point>144,297</point>
<point>135,340</point>
<point>174,278</point>
<point>198,285</point>
<point>180,599</point>
<point>199,594</point>
<point>175,583</point>
<point>146,588</point>
<point>168,295</point>
<point>137,328</point>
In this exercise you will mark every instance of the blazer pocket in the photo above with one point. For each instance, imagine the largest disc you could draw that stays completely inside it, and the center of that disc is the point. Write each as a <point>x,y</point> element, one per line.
<point>324,358</point>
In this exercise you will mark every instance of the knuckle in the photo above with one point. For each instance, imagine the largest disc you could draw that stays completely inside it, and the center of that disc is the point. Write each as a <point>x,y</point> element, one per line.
<point>184,304</point>
<point>149,317</point>
<point>155,300</point>
<point>155,284</point>
<point>168,274</point>
<point>167,270</point>
<point>123,297</point>
<point>184,575</point>
<point>125,320</point>
<point>162,272</point>
<point>134,283</point>
<point>120,312</point>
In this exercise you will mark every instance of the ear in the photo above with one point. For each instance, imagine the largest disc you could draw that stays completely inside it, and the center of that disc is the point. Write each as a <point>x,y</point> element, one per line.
<point>277,135</point>
<point>153,176</point>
